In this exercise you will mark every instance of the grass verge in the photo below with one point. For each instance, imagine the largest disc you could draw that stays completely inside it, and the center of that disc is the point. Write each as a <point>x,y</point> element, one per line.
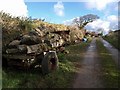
<point>62,78</point>
<point>110,71</point>
<point>34,79</point>
<point>113,40</point>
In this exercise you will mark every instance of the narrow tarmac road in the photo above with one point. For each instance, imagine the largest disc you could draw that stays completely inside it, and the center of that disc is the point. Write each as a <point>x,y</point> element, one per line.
<point>115,53</point>
<point>88,76</point>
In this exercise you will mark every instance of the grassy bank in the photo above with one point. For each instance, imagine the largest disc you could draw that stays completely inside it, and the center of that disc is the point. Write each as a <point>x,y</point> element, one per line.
<point>110,72</point>
<point>62,78</point>
<point>113,39</point>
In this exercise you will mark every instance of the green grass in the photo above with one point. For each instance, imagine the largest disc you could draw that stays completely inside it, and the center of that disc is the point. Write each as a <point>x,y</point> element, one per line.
<point>114,40</point>
<point>110,72</point>
<point>34,79</point>
<point>77,51</point>
<point>62,78</point>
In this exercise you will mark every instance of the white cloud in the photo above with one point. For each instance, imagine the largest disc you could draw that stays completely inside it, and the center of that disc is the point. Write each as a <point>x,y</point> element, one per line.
<point>68,22</point>
<point>112,18</point>
<point>95,25</point>
<point>98,4</point>
<point>59,8</point>
<point>14,7</point>
<point>111,23</point>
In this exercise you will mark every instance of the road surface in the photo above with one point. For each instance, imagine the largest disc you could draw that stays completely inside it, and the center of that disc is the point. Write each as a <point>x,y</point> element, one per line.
<point>89,73</point>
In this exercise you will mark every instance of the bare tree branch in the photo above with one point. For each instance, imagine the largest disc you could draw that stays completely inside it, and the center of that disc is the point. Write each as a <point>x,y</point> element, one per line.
<point>81,22</point>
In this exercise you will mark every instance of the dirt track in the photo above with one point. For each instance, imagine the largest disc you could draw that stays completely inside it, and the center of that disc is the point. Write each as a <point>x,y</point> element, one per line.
<point>89,73</point>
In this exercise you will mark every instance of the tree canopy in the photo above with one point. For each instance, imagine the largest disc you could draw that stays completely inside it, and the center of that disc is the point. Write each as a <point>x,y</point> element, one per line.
<point>84,20</point>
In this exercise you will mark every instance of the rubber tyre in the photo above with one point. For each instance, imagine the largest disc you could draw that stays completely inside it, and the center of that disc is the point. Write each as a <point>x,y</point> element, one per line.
<point>50,62</point>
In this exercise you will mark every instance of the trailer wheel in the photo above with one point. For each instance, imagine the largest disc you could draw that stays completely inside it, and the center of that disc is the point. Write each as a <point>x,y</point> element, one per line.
<point>50,62</point>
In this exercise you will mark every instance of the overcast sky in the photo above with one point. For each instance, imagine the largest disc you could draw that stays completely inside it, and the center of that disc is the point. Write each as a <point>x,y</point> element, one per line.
<point>63,12</point>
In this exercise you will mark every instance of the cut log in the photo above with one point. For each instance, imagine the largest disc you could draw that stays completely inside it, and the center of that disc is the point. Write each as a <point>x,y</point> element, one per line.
<point>14,44</point>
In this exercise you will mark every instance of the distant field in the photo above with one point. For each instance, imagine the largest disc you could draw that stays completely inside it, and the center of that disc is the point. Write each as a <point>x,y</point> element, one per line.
<point>113,38</point>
